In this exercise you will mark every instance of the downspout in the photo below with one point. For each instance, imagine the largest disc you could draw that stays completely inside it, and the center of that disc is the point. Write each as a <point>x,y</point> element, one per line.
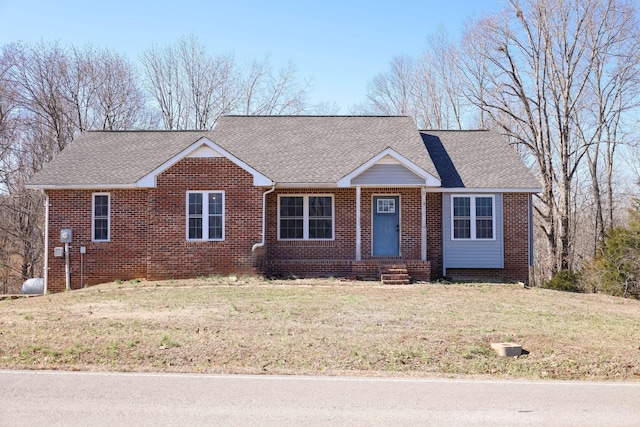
<point>423,224</point>
<point>443,237</point>
<point>45,273</point>
<point>358,225</point>
<point>264,217</point>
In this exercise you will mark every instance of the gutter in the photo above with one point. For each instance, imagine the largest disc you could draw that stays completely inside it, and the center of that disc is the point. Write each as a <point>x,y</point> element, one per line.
<point>264,217</point>
<point>84,187</point>
<point>477,190</point>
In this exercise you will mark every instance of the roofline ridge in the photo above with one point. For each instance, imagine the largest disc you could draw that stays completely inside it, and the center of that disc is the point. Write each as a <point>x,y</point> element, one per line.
<point>315,115</point>
<point>145,130</point>
<point>455,130</point>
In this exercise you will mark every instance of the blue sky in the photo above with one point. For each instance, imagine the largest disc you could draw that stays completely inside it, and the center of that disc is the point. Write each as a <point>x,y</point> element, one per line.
<point>341,45</point>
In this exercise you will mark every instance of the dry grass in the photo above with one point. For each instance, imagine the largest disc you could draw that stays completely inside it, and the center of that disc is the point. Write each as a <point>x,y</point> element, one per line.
<point>323,327</point>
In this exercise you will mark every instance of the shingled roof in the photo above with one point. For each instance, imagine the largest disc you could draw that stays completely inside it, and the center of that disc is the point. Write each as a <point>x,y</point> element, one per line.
<point>310,150</point>
<point>318,149</point>
<point>477,159</point>
<point>113,158</point>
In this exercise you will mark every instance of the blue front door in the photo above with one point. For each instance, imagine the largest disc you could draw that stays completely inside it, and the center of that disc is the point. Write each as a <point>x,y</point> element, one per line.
<point>386,226</point>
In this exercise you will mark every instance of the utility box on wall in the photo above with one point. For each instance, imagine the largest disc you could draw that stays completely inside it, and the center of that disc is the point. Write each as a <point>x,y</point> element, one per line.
<point>66,235</point>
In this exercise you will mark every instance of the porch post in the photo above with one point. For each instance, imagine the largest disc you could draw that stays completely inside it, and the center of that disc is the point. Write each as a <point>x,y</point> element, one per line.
<point>423,224</point>
<point>358,227</point>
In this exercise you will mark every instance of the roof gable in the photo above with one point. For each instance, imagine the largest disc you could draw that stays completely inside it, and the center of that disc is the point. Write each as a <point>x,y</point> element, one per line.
<point>389,157</point>
<point>204,151</point>
<point>201,148</point>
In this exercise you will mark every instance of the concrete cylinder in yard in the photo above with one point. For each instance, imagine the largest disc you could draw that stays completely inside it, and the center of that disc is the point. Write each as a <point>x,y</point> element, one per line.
<point>33,286</point>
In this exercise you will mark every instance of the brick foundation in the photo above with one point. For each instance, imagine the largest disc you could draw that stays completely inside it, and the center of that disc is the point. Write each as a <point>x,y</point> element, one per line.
<point>362,270</point>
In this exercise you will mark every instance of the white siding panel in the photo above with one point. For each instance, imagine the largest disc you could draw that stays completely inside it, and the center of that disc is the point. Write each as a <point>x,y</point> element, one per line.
<point>473,253</point>
<point>388,174</point>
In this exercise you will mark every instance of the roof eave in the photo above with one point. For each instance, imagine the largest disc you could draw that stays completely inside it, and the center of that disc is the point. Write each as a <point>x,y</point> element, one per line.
<point>82,187</point>
<point>484,190</point>
<point>305,185</point>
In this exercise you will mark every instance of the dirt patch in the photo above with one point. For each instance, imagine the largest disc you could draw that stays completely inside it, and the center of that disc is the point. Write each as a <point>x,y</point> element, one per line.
<point>250,325</point>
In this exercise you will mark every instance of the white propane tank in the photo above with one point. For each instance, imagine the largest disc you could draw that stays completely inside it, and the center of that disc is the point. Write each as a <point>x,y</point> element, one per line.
<point>33,286</point>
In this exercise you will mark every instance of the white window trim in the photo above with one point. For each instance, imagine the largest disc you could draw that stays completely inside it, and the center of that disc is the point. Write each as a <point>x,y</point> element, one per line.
<point>305,216</point>
<point>473,216</point>
<point>93,217</point>
<point>387,205</point>
<point>205,215</point>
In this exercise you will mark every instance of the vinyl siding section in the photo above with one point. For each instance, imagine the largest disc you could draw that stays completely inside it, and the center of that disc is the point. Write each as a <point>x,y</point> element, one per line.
<point>473,253</point>
<point>388,175</point>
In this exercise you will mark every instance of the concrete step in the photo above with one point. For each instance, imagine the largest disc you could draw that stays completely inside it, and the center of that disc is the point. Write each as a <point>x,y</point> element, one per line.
<point>396,282</point>
<point>393,269</point>
<point>394,276</point>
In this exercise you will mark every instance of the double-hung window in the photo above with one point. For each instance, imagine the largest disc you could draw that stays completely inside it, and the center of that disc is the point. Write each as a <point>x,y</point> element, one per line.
<point>305,217</point>
<point>100,221</point>
<point>205,215</point>
<point>473,217</point>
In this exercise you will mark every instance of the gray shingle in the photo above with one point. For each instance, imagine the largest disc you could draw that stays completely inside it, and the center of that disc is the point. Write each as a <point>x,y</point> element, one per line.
<point>294,149</point>
<point>318,149</point>
<point>113,158</point>
<point>477,159</point>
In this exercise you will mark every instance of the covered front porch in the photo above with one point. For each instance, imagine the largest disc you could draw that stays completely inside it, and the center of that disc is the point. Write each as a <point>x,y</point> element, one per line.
<point>386,212</point>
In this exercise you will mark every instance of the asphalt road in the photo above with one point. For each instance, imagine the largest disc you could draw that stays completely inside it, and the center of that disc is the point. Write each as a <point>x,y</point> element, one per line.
<point>39,398</point>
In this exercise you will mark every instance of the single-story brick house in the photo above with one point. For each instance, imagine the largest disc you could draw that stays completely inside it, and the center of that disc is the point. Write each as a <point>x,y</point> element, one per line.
<point>288,195</point>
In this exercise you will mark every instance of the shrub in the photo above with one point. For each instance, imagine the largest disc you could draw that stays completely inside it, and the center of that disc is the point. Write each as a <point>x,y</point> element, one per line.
<point>565,280</point>
<point>617,265</point>
<point>615,270</point>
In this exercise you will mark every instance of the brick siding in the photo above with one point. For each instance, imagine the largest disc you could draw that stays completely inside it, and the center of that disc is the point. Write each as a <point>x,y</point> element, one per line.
<point>123,257</point>
<point>516,236</point>
<point>148,228</point>
<point>148,232</point>
<point>170,255</point>
<point>434,233</point>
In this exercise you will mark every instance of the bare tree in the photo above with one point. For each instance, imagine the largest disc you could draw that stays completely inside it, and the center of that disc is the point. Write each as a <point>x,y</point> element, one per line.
<point>163,82</point>
<point>119,102</point>
<point>613,91</point>
<point>436,87</point>
<point>264,93</point>
<point>532,70</point>
<point>391,92</point>
<point>192,88</point>
<point>39,75</point>
<point>48,94</point>
<point>8,115</point>
<point>206,82</point>
<point>9,265</point>
<point>426,89</point>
